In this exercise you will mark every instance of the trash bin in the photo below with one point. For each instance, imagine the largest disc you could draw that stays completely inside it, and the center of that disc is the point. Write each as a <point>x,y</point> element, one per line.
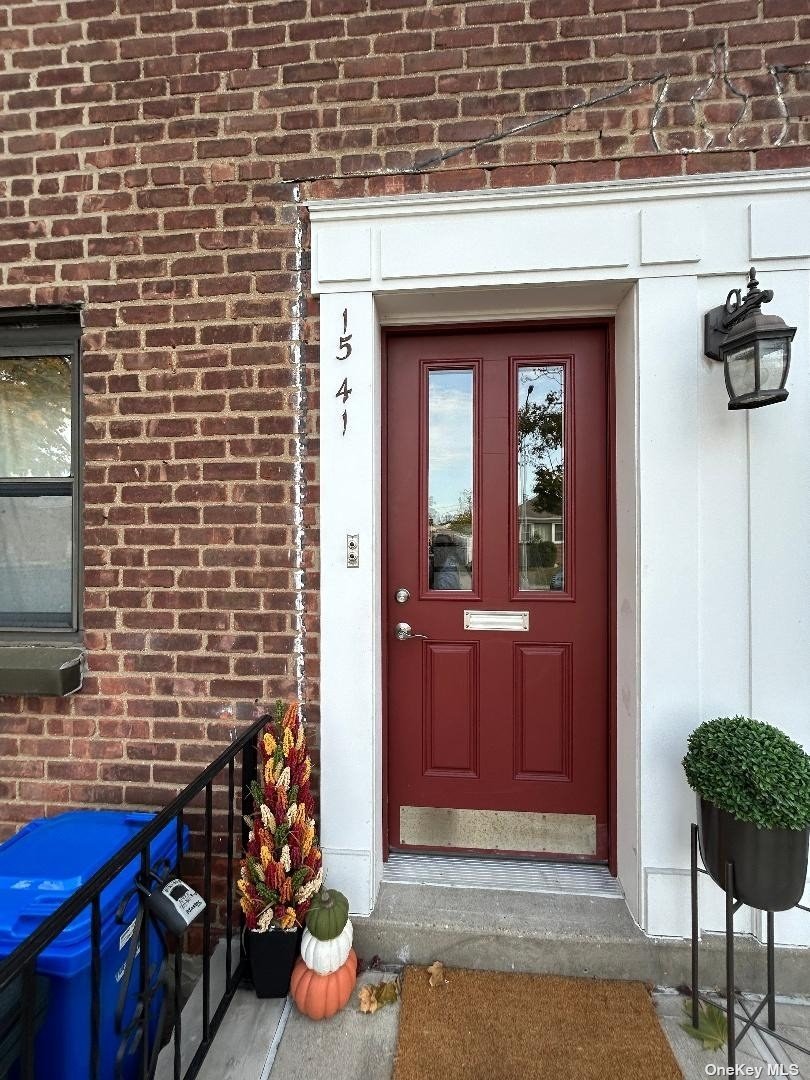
<point>40,868</point>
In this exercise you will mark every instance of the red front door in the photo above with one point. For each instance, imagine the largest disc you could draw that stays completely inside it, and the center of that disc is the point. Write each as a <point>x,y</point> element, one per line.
<point>497,552</point>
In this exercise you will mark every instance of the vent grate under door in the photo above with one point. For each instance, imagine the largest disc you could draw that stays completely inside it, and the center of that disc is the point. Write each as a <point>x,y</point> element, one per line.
<point>517,875</point>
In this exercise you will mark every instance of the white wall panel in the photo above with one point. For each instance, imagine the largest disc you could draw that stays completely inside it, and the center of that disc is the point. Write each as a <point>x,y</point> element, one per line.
<point>723,528</point>
<point>671,232</point>
<point>531,240</point>
<point>345,255</point>
<point>780,228</point>
<point>351,715</point>
<point>780,546</point>
<point>669,373</point>
<point>669,905</point>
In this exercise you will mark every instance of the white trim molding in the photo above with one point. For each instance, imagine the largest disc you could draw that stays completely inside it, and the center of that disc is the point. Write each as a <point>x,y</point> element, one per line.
<point>609,231</point>
<point>711,590</point>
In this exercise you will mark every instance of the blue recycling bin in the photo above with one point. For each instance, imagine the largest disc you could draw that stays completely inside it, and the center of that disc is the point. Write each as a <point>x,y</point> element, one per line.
<point>40,868</point>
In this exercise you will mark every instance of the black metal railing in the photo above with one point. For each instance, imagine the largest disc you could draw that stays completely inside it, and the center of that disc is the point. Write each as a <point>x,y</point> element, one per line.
<point>20,982</point>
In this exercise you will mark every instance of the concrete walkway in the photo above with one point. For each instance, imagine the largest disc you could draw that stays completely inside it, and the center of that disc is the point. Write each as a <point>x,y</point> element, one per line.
<point>271,1040</point>
<point>354,1046</point>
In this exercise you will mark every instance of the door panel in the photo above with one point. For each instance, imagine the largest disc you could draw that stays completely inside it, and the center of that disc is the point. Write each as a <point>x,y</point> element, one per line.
<point>497,501</point>
<point>543,722</point>
<point>450,712</point>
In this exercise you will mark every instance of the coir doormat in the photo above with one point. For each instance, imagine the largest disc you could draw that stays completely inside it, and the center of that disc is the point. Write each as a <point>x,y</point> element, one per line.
<point>494,1026</point>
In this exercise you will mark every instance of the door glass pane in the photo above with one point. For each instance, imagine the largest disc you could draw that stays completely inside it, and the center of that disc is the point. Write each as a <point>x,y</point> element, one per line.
<point>36,561</point>
<point>450,479</point>
<point>541,478</point>
<point>35,416</point>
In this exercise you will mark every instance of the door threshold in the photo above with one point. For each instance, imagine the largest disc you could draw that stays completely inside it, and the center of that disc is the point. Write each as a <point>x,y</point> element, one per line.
<point>515,875</point>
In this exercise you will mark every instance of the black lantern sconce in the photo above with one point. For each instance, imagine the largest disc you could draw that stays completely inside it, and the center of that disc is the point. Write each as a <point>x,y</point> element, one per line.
<point>754,348</point>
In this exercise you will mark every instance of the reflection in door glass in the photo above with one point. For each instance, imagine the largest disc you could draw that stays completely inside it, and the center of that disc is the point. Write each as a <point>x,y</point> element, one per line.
<point>541,478</point>
<point>450,479</point>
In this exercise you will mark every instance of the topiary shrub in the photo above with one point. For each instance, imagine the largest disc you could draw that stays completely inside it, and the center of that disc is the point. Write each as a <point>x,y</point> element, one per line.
<point>752,770</point>
<point>542,553</point>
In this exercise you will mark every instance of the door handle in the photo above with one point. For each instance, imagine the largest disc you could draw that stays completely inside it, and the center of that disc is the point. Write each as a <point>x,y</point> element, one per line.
<point>403,632</point>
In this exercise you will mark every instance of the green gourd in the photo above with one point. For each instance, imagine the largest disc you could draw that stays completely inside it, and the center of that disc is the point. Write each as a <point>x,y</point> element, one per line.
<point>328,914</point>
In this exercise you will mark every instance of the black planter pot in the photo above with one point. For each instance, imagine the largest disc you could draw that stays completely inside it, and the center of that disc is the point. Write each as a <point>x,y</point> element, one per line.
<point>272,956</point>
<point>770,865</point>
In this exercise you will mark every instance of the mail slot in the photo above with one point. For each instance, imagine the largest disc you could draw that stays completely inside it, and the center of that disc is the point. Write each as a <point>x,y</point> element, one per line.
<point>496,620</point>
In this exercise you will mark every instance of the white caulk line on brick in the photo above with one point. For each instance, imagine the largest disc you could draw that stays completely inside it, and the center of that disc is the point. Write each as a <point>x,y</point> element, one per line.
<point>299,435</point>
<point>780,99</point>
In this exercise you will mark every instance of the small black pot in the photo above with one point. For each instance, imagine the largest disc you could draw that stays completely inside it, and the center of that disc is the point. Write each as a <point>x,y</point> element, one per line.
<point>272,956</point>
<point>770,865</point>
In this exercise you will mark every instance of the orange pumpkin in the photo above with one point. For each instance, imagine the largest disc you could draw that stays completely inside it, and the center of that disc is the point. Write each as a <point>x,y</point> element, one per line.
<point>320,996</point>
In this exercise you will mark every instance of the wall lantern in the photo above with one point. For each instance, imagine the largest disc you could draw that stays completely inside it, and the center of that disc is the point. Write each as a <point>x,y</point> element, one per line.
<point>754,348</point>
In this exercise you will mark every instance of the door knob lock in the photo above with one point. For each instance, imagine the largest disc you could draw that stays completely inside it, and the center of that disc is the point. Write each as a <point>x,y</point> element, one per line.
<point>403,632</point>
<point>402,596</point>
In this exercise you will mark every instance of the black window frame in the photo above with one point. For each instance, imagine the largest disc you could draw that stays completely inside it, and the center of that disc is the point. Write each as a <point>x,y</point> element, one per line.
<point>40,332</point>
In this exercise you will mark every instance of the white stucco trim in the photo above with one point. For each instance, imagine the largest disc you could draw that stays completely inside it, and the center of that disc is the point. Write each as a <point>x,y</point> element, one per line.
<point>655,255</point>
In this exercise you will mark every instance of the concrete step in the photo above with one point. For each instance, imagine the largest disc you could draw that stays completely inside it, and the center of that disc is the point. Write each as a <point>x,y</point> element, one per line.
<point>589,936</point>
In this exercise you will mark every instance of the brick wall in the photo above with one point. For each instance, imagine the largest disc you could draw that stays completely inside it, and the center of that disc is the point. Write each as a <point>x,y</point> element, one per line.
<point>149,149</point>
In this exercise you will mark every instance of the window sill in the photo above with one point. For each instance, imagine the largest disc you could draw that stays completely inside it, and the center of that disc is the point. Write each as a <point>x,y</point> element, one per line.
<point>44,670</point>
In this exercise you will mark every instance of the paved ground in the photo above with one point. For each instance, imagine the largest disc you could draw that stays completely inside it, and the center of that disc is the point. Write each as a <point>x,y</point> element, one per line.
<point>353,1046</point>
<point>755,1051</point>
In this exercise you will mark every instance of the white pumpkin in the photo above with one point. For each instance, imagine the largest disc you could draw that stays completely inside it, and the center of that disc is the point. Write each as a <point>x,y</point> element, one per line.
<point>324,957</point>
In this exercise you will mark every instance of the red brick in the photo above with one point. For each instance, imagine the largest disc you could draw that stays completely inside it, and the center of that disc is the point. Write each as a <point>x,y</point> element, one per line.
<point>504,12</point>
<point>606,71</point>
<point>40,13</point>
<point>204,42</point>
<point>536,76</point>
<point>574,172</point>
<point>783,157</point>
<point>651,165</point>
<point>456,180</point>
<point>717,162</point>
<point>313,72</point>
<point>337,7</point>
<point>440,60</point>
<point>778,8</point>
<point>522,175</point>
<point>546,9</point>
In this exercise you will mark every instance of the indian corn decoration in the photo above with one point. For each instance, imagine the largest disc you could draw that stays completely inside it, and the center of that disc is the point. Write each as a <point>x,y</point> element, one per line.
<point>281,869</point>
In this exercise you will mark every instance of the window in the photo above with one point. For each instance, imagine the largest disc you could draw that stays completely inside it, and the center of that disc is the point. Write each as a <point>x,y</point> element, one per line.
<point>541,480</point>
<point>40,432</point>
<point>450,477</point>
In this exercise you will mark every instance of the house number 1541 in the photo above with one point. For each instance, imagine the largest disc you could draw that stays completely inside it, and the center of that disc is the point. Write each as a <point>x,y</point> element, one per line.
<point>343,353</point>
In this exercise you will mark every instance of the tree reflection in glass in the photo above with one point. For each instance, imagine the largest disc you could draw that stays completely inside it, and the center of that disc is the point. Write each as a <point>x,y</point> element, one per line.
<point>541,477</point>
<point>35,416</point>
<point>36,519</point>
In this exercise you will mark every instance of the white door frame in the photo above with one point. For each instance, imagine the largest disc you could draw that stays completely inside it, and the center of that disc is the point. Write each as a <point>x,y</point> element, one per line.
<point>645,253</point>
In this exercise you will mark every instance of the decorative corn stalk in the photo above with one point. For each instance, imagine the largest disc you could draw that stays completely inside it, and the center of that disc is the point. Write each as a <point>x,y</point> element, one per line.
<point>281,868</point>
